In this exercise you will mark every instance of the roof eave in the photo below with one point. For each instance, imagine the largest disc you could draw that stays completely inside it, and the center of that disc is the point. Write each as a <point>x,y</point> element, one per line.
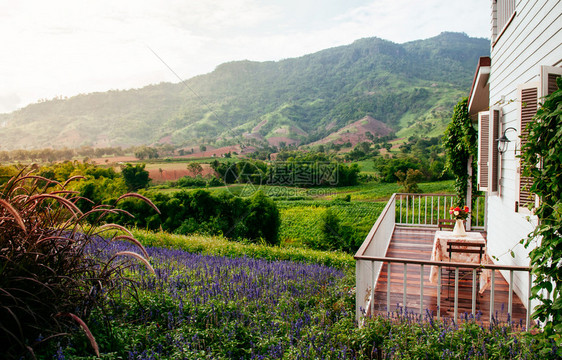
<point>479,97</point>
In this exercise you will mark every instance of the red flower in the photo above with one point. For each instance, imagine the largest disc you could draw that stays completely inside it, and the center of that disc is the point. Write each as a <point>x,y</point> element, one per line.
<point>457,209</point>
<point>466,209</point>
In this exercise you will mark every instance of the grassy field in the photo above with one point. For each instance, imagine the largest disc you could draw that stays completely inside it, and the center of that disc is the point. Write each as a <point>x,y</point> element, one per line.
<point>302,209</point>
<point>382,191</point>
<point>372,191</point>
<point>301,221</point>
<point>367,166</point>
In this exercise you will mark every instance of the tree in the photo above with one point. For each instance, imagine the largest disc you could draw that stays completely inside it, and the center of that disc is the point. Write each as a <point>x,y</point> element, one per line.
<point>364,146</point>
<point>409,181</point>
<point>331,231</point>
<point>460,142</point>
<point>136,177</point>
<point>144,152</point>
<point>262,220</point>
<point>195,168</point>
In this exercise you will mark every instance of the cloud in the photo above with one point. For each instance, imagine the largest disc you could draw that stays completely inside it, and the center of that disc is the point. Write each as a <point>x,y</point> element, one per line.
<point>65,47</point>
<point>9,102</point>
<point>406,20</point>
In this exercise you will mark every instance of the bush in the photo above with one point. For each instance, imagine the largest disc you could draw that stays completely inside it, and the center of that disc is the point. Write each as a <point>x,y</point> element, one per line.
<point>404,335</point>
<point>47,276</point>
<point>136,177</point>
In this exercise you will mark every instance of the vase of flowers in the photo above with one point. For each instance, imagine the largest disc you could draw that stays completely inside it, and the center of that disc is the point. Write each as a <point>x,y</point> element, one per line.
<point>460,215</point>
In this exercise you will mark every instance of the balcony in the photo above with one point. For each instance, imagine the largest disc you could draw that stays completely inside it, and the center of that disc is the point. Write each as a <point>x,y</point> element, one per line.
<point>394,262</point>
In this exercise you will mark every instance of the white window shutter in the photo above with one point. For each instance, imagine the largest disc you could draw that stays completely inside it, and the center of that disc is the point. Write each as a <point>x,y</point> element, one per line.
<point>483,149</point>
<point>528,108</point>
<point>493,161</point>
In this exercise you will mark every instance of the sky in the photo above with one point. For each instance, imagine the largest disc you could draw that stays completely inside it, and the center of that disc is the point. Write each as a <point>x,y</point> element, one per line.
<point>67,47</point>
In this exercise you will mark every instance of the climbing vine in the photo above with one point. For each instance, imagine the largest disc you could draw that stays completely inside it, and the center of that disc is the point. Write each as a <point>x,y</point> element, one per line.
<point>542,161</point>
<point>460,142</point>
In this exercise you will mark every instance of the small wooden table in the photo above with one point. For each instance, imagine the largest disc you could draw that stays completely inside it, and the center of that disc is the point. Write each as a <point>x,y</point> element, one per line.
<point>439,253</point>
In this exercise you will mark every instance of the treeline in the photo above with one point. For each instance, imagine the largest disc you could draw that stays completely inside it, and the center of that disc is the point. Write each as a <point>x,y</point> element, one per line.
<point>254,218</point>
<point>50,155</point>
<point>423,154</point>
<point>88,152</point>
<point>290,169</point>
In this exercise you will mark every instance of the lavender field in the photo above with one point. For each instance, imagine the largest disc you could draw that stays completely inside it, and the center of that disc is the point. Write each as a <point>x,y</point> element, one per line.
<point>214,307</point>
<point>200,306</point>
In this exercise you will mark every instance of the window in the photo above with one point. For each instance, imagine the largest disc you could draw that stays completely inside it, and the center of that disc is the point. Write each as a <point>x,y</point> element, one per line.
<point>503,13</point>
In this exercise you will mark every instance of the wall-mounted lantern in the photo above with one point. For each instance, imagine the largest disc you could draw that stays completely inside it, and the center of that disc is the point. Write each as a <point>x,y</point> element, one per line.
<point>503,141</point>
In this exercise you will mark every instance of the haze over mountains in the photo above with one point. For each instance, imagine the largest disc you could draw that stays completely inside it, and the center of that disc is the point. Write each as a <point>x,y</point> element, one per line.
<point>373,84</point>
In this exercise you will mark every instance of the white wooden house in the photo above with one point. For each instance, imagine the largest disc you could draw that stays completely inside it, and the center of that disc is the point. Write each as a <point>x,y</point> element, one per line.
<point>392,265</point>
<point>526,57</point>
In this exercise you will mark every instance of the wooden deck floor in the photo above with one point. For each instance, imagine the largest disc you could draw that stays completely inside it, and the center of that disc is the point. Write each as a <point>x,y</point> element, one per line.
<point>417,243</point>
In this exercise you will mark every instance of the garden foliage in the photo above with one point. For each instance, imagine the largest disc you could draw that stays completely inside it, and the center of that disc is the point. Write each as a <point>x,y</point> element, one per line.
<point>220,246</point>
<point>202,306</point>
<point>460,142</point>
<point>542,162</point>
<point>46,277</point>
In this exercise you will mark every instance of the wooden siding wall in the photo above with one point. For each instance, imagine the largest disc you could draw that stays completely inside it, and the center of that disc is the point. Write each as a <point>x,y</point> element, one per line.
<point>533,38</point>
<point>504,9</point>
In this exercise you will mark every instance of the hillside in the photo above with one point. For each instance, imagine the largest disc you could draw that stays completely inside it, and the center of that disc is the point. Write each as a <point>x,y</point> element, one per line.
<point>409,87</point>
<point>356,132</point>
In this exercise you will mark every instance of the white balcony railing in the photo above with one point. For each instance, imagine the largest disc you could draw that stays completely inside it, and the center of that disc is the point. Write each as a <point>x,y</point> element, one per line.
<point>426,210</point>
<point>423,211</point>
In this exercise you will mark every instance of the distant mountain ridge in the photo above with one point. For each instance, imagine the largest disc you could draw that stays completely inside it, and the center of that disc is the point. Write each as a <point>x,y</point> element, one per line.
<point>409,87</point>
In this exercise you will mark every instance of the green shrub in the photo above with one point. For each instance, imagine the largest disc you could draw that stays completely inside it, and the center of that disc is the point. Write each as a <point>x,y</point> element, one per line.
<point>136,177</point>
<point>404,335</point>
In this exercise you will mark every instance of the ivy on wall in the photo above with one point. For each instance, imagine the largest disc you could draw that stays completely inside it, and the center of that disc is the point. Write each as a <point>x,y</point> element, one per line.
<point>460,142</point>
<point>544,147</point>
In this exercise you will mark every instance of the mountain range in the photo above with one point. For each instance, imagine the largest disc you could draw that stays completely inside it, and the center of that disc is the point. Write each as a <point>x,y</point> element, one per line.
<point>370,85</point>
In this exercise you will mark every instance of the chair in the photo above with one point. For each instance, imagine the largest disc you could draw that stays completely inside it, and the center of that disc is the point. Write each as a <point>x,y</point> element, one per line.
<point>464,273</point>
<point>446,224</point>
